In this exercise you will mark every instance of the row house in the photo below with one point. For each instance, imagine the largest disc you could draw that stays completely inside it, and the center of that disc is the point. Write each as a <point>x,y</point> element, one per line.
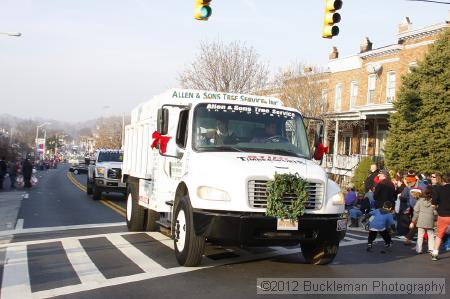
<point>360,95</point>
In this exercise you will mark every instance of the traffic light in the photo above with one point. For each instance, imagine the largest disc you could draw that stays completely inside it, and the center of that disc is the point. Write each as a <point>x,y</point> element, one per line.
<point>202,10</point>
<point>331,18</point>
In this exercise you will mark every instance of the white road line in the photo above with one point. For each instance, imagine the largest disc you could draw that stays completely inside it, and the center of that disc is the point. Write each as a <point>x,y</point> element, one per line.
<point>134,254</point>
<point>82,264</point>
<point>59,228</point>
<point>162,238</point>
<point>16,280</point>
<point>19,224</point>
<point>34,242</point>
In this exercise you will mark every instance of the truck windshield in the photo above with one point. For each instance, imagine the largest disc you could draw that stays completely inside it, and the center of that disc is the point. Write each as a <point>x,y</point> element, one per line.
<point>224,127</point>
<point>110,157</point>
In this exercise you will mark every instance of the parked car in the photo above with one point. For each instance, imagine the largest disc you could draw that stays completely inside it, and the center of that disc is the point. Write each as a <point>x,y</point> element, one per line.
<point>80,168</point>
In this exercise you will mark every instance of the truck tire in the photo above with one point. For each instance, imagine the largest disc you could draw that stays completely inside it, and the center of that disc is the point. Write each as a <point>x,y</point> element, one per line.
<point>320,252</point>
<point>188,246</point>
<point>135,213</point>
<point>150,221</point>
<point>88,187</point>
<point>96,193</point>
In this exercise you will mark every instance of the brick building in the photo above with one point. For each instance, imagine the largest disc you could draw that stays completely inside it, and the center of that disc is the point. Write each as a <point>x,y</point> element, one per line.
<point>360,95</point>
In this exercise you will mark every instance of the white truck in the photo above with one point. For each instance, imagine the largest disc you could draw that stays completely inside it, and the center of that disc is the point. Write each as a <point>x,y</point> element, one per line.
<point>195,188</point>
<point>105,173</point>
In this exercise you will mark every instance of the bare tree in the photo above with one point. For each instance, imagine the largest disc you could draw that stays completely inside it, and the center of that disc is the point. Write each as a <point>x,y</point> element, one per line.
<point>109,132</point>
<point>304,88</point>
<point>223,67</point>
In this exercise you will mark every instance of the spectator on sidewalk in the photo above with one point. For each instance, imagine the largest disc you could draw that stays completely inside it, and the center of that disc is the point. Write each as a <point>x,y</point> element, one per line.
<point>350,198</point>
<point>27,171</point>
<point>12,171</point>
<point>381,220</point>
<point>384,190</point>
<point>441,199</point>
<point>3,171</point>
<point>370,180</point>
<point>423,219</point>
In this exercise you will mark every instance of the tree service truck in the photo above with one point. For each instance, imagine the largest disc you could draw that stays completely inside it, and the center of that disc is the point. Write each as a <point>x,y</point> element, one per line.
<point>197,164</point>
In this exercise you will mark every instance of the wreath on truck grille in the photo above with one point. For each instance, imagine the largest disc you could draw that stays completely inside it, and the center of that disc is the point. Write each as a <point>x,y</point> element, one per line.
<point>276,189</point>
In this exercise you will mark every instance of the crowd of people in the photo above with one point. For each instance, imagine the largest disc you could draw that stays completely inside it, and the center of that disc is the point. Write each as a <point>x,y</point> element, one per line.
<point>19,173</point>
<point>409,203</point>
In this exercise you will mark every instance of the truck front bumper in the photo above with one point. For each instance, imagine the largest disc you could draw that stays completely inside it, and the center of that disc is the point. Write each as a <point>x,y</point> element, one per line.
<point>250,229</point>
<point>109,185</point>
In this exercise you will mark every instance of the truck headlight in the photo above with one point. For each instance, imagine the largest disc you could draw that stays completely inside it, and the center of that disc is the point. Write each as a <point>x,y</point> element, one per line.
<point>100,171</point>
<point>210,193</point>
<point>338,199</point>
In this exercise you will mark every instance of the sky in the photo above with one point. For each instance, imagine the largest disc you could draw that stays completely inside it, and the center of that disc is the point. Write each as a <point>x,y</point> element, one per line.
<point>81,59</point>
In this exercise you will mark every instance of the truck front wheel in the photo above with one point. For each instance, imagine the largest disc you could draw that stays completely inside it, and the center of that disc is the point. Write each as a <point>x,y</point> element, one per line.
<point>96,193</point>
<point>188,246</point>
<point>135,213</point>
<point>88,187</point>
<point>320,252</point>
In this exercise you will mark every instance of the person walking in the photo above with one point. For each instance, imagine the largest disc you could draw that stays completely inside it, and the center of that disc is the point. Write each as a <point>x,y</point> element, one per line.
<point>27,171</point>
<point>423,219</point>
<point>3,171</point>
<point>384,190</point>
<point>441,200</point>
<point>12,171</point>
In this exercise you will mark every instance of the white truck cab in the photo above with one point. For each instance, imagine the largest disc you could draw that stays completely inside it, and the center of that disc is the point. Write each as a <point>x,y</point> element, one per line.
<point>208,181</point>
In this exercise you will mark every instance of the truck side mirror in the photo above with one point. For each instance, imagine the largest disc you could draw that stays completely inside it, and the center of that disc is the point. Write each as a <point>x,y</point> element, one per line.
<point>162,125</point>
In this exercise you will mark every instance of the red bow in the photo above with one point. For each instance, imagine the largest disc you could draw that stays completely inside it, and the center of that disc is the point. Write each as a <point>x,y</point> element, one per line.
<point>320,151</point>
<point>162,140</point>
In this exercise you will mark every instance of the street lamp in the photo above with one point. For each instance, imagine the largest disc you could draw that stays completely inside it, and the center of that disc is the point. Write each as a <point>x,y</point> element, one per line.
<point>37,136</point>
<point>16,34</point>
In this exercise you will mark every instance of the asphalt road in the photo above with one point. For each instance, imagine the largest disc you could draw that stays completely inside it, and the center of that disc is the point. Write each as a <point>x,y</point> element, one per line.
<point>74,247</point>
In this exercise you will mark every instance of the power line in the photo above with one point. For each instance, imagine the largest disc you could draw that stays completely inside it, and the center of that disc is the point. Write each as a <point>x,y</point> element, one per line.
<point>431,1</point>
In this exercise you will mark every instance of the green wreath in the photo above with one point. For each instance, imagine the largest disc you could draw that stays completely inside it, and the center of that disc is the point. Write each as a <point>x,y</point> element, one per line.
<point>286,183</point>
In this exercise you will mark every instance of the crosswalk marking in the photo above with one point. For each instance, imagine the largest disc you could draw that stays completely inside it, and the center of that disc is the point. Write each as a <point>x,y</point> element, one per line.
<point>16,279</point>
<point>86,270</point>
<point>141,260</point>
<point>16,276</point>
<point>162,238</point>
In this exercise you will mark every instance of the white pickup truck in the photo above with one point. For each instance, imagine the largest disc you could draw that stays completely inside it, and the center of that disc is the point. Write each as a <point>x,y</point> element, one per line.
<point>104,173</point>
<point>203,181</point>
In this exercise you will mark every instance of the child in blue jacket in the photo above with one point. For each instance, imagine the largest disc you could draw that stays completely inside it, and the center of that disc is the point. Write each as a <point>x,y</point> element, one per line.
<point>381,220</point>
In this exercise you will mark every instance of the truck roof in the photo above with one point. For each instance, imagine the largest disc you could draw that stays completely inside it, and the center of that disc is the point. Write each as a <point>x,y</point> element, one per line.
<point>190,96</point>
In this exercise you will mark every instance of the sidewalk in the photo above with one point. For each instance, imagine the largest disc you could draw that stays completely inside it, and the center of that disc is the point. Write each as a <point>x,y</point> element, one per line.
<point>10,202</point>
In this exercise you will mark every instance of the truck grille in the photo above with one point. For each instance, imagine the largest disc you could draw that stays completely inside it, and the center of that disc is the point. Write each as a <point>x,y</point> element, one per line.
<point>257,195</point>
<point>115,173</point>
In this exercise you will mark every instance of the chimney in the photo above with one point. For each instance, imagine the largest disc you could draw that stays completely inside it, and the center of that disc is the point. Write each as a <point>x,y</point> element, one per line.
<point>365,46</point>
<point>334,54</point>
<point>405,25</point>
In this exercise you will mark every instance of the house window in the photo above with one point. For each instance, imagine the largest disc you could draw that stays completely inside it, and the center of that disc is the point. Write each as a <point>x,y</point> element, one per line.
<point>347,145</point>
<point>390,87</point>
<point>353,93</point>
<point>371,88</point>
<point>337,97</point>
<point>363,138</point>
<point>324,99</point>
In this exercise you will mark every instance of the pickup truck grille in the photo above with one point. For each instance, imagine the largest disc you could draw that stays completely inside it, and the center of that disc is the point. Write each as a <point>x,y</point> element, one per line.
<point>114,173</point>
<point>257,195</point>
